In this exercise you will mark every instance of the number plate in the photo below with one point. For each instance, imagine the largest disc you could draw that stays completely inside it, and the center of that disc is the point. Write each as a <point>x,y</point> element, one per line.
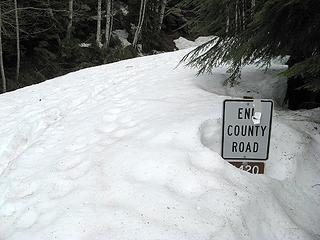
<point>251,167</point>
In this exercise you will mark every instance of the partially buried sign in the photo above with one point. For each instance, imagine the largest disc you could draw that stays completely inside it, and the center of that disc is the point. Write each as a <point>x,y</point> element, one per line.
<point>246,129</point>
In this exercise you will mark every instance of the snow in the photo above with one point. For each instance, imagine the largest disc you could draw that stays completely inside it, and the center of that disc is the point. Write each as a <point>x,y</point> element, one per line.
<point>183,43</point>
<point>85,45</point>
<point>131,150</point>
<point>123,36</point>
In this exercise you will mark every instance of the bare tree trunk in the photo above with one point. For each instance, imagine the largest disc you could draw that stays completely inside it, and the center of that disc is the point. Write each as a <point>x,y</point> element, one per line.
<point>50,9</point>
<point>18,40</point>
<point>53,19</point>
<point>3,76</point>
<point>243,14</point>
<point>109,22</point>
<point>253,6</point>
<point>228,20</point>
<point>140,23</point>
<point>236,18</point>
<point>162,12</point>
<point>98,37</point>
<point>253,3</point>
<point>70,17</point>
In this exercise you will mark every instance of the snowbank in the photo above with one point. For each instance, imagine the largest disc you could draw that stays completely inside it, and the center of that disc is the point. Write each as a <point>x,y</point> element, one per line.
<point>130,150</point>
<point>183,43</point>
<point>123,37</point>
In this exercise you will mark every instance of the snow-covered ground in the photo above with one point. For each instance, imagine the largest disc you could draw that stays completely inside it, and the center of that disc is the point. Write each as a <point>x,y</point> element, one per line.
<point>123,37</point>
<point>183,43</point>
<point>130,150</point>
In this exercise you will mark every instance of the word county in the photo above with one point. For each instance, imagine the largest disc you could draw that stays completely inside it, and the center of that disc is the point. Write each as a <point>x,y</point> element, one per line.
<point>246,130</point>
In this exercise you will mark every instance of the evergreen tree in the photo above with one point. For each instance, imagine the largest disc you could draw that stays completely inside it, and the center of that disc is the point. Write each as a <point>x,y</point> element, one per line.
<point>42,39</point>
<point>276,28</point>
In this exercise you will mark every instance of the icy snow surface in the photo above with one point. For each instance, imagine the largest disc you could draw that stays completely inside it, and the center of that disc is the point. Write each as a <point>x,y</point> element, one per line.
<point>183,43</point>
<point>130,150</point>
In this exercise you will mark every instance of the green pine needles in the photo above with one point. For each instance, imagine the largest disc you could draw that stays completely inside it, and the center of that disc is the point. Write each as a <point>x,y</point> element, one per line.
<point>254,32</point>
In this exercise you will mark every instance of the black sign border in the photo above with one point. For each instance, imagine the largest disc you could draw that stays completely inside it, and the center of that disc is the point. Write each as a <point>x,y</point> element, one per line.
<point>223,125</point>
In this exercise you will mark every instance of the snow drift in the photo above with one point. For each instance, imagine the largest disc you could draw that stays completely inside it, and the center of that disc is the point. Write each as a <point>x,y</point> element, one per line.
<point>130,150</point>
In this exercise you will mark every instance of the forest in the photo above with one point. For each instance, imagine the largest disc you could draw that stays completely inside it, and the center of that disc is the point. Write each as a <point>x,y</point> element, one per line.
<point>42,39</point>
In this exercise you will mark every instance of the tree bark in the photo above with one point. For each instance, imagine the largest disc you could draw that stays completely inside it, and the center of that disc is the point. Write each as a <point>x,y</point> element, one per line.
<point>109,20</point>
<point>162,12</point>
<point>3,76</point>
<point>140,23</point>
<point>18,40</point>
<point>228,20</point>
<point>236,17</point>
<point>243,14</point>
<point>253,6</point>
<point>253,3</point>
<point>70,18</point>
<point>294,97</point>
<point>54,20</point>
<point>98,37</point>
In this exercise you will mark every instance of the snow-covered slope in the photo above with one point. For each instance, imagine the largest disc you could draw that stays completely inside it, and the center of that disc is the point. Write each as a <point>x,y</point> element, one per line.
<point>131,150</point>
<point>183,43</point>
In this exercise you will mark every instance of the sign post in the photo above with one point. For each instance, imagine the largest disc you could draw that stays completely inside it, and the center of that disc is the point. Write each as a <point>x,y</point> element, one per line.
<point>246,133</point>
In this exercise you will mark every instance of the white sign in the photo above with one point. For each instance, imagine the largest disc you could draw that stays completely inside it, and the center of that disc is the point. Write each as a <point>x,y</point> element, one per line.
<point>246,129</point>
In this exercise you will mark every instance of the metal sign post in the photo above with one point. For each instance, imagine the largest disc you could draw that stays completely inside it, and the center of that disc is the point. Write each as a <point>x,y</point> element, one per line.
<point>246,133</point>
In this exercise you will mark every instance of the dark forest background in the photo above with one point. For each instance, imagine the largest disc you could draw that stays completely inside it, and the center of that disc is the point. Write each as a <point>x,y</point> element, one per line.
<point>42,39</point>
<point>53,40</point>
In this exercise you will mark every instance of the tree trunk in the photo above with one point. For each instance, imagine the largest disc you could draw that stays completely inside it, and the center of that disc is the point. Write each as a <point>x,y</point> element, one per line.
<point>253,3</point>
<point>109,22</point>
<point>18,40</point>
<point>228,20</point>
<point>140,23</point>
<point>162,12</point>
<point>236,17</point>
<point>293,97</point>
<point>3,76</point>
<point>253,6</point>
<point>54,20</point>
<point>70,18</point>
<point>98,37</point>
<point>243,14</point>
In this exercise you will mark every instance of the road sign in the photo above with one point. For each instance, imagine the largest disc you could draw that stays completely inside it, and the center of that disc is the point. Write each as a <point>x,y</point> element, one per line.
<point>251,167</point>
<point>246,129</point>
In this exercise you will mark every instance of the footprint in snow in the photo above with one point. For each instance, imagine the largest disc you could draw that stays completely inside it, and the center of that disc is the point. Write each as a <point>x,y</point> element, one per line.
<point>108,128</point>
<point>60,188</point>
<point>115,110</point>
<point>79,171</point>
<point>27,219</point>
<point>79,144</point>
<point>109,117</point>
<point>69,162</point>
